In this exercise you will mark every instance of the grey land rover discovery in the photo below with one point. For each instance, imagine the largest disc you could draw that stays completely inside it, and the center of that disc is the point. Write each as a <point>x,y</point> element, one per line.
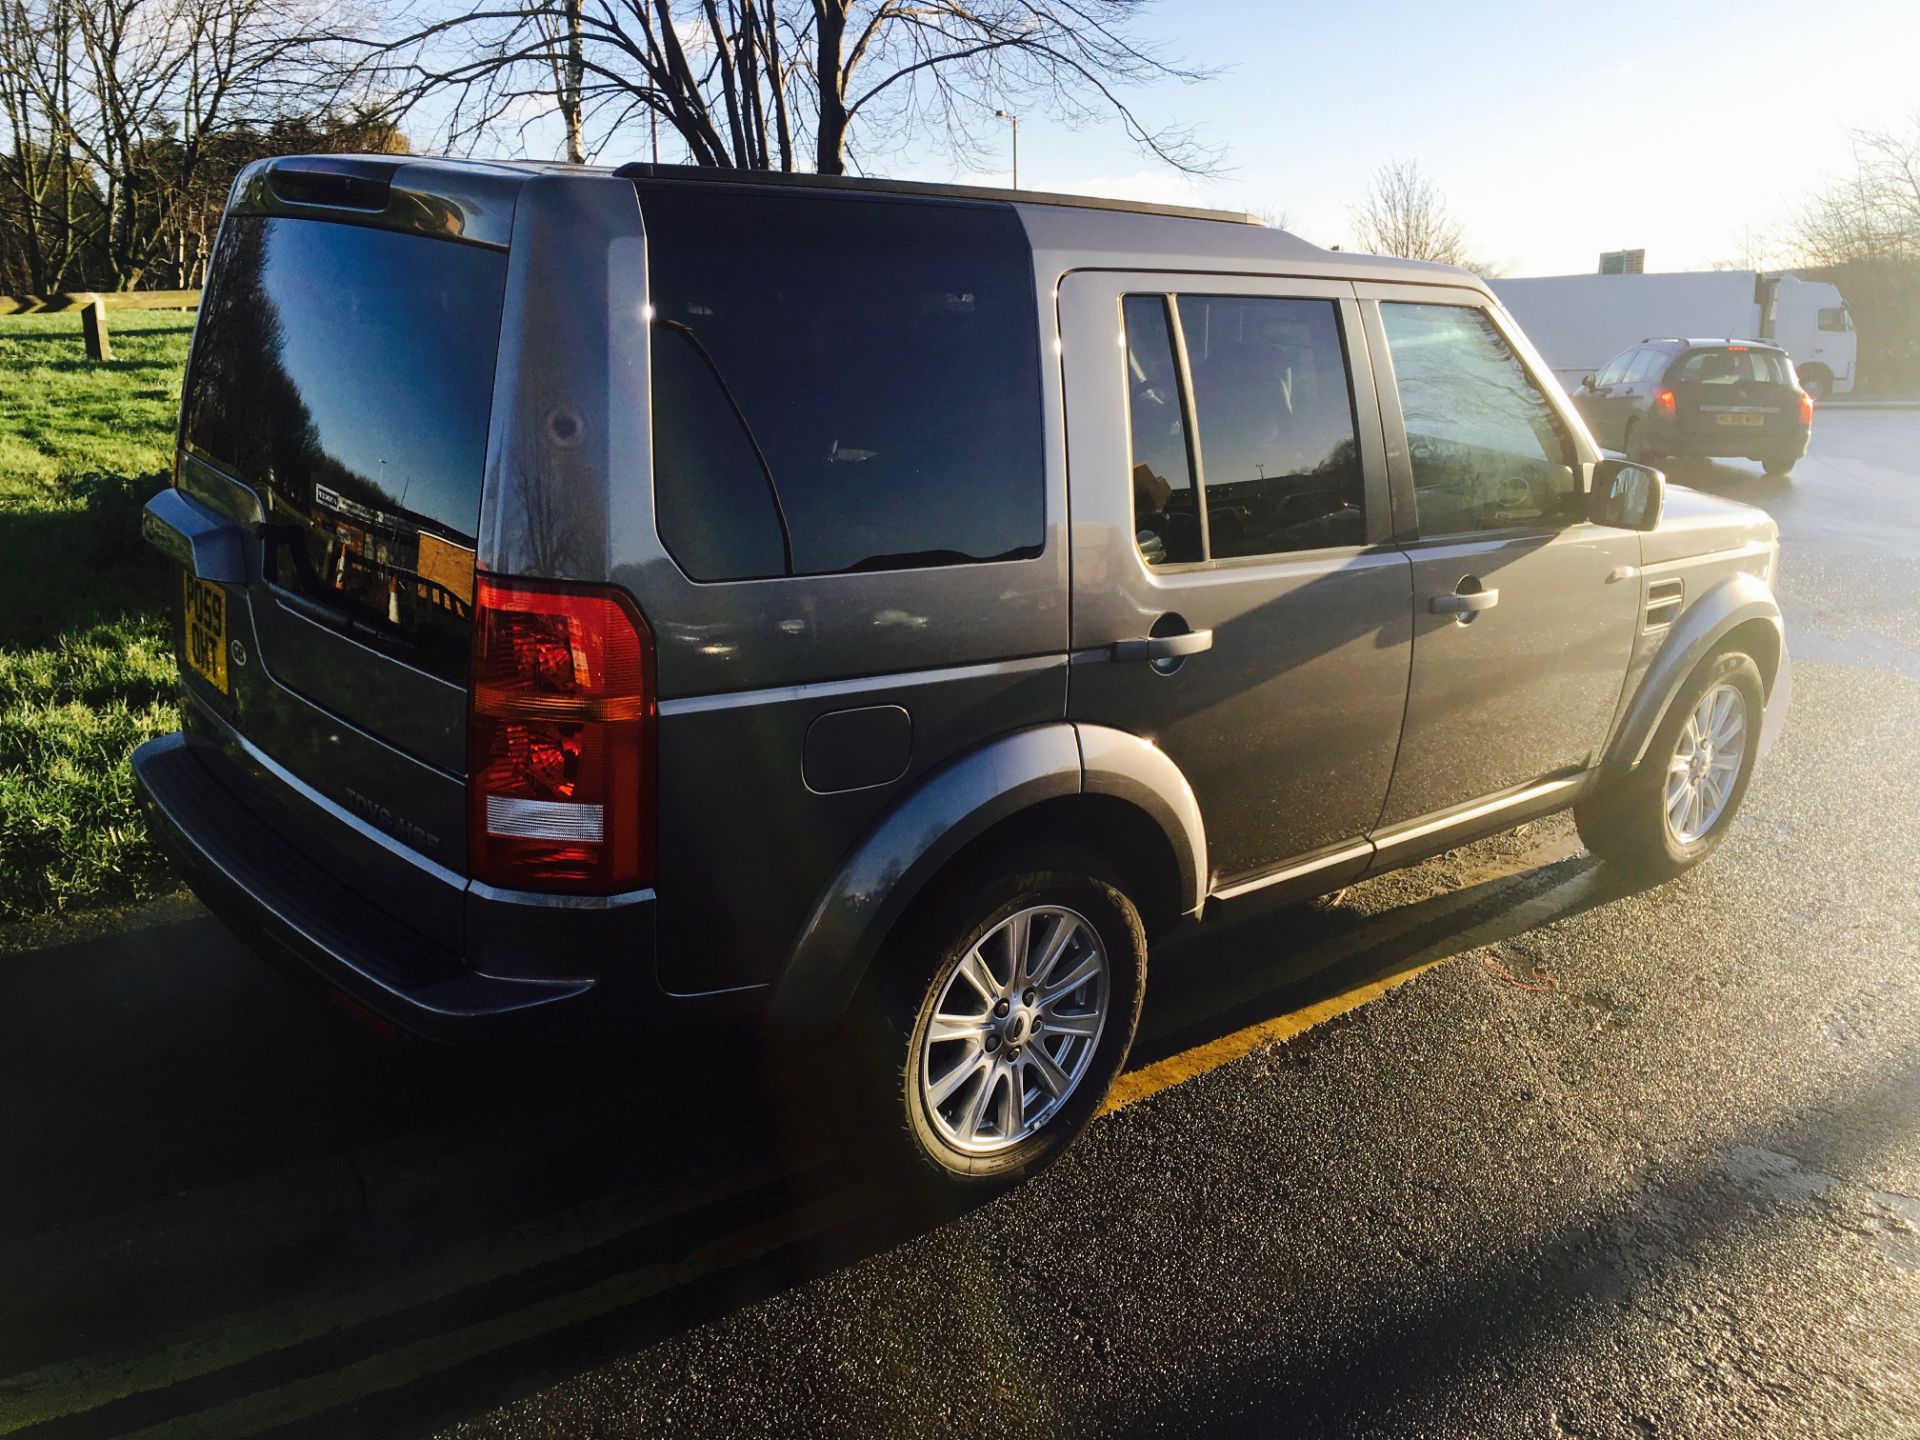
<point>609,598</point>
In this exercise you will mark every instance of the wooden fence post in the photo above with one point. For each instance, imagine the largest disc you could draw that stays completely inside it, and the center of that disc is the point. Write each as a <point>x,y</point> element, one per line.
<point>93,321</point>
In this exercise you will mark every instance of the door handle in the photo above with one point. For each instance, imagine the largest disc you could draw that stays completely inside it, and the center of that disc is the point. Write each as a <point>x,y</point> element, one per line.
<point>1471,603</point>
<point>1163,647</point>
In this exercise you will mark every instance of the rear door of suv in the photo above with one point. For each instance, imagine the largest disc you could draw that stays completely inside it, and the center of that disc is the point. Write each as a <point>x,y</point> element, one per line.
<point>1229,484</point>
<point>1727,396</point>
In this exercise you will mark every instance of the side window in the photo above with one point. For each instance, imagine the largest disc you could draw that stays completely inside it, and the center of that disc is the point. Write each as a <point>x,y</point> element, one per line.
<point>1647,366</point>
<point>864,395</point>
<point>1166,515</point>
<point>1488,451</point>
<point>1833,317</point>
<point>1616,370</point>
<point>1273,406</point>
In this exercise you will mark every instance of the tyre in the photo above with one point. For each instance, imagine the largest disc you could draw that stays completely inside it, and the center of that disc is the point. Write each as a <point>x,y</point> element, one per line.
<point>1779,466</point>
<point>992,1030</point>
<point>1636,447</point>
<point>1817,383</point>
<point>1673,812</point>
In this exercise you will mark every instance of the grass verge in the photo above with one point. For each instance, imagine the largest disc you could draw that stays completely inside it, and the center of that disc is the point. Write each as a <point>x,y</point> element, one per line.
<point>86,659</point>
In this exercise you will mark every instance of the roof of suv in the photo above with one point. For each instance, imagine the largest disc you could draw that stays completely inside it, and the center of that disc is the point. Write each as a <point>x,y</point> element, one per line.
<point>473,200</point>
<point>1710,342</point>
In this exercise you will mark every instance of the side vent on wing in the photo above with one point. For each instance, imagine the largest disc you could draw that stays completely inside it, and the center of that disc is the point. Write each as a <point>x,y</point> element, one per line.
<point>1663,602</point>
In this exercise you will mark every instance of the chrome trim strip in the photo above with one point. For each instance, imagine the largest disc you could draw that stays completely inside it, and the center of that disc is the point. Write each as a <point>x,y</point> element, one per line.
<point>1359,850</point>
<point>1420,829</point>
<point>554,901</point>
<point>829,689</point>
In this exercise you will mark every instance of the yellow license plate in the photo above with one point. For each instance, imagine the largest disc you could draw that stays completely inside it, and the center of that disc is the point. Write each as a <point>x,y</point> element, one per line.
<point>206,630</point>
<point>1741,419</point>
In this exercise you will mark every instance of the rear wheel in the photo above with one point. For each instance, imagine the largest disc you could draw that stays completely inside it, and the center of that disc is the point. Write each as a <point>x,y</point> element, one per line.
<point>1637,448</point>
<point>1816,382</point>
<point>997,1023</point>
<point>1673,812</point>
<point>1779,466</point>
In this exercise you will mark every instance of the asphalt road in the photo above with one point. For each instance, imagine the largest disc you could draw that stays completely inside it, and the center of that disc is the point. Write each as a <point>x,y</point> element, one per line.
<point>1496,1147</point>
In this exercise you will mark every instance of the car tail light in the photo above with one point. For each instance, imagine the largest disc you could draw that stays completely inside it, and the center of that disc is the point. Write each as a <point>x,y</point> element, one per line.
<point>1663,402</point>
<point>1806,408</point>
<point>560,742</point>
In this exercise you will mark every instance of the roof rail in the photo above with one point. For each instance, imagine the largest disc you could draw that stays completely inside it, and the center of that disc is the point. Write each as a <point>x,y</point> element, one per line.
<point>917,189</point>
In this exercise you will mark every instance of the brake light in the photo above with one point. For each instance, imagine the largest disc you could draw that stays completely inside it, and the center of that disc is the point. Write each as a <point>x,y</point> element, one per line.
<point>1663,402</point>
<point>1806,408</point>
<point>560,740</point>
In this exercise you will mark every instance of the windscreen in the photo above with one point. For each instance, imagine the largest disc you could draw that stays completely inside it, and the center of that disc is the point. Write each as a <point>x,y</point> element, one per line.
<point>345,373</point>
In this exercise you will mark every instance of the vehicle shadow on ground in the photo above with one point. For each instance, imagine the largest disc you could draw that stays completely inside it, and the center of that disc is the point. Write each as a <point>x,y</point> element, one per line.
<point>242,1207</point>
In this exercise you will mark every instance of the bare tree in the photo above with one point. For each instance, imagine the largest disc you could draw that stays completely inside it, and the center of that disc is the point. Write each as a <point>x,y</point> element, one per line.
<point>1405,215</point>
<point>134,96</point>
<point>1872,214</point>
<point>785,84</point>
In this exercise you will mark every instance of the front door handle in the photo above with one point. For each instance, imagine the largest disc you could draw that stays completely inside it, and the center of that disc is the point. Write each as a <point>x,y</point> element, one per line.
<point>1472,603</point>
<point>1163,647</point>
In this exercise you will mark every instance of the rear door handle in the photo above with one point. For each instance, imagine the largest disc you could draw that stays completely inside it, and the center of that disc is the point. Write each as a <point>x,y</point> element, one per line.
<point>1163,647</point>
<point>1469,604</point>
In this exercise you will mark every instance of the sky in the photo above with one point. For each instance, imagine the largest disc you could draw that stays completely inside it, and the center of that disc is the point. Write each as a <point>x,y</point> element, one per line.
<point>1554,130</point>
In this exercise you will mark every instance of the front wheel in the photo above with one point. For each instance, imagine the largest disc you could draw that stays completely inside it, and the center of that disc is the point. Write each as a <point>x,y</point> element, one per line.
<point>996,1025</point>
<point>1675,809</point>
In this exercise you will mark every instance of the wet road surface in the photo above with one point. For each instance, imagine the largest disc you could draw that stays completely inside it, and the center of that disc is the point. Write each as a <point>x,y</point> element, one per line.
<point>1495,1147</point>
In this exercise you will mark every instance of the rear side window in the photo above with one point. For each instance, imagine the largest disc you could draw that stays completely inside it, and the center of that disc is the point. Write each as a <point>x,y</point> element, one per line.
<point>1278,448</point>
<point>1735,367</point>
<point>841,385</point>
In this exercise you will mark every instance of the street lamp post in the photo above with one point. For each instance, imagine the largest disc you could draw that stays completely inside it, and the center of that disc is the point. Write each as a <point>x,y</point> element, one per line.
<point>1014,121</point>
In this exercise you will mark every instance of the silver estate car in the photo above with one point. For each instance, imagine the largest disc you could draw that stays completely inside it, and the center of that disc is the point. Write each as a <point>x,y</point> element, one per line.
<point>611,598</point>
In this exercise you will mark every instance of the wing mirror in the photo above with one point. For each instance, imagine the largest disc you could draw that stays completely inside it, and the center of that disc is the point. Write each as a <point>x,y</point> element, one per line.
<point>1586,382</point>
<point>1626,496</point>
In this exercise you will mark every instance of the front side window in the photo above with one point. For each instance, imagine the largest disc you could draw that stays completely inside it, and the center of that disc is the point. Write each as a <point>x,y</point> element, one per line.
<point>1616,370</point>
<point>1834,317</point>
<point>1488,451</point>
<point>1648,366</point>
<point>842,384</point>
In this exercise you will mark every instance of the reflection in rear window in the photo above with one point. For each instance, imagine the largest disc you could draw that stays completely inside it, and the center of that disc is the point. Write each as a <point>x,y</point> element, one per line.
<point>352,359</point>
<point>841,384</point>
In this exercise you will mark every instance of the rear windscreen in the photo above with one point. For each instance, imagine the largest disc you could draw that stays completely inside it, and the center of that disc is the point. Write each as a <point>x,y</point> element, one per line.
<point>1734,367</point>
<point>346,374</point>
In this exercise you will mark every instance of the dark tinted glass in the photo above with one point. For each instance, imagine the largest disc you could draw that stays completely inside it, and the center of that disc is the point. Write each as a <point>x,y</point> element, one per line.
<point>1166,521</point>
<point>346,374</point>
<point>885,358</point>
<point>1616,368</point>
<point>1278,454</point>
<point>355,358</point>
<point>1487,450</point>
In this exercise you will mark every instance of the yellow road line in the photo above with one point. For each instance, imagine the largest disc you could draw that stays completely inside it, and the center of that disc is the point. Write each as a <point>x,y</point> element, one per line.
<point>392,1369</point>
<point>71,1387</point>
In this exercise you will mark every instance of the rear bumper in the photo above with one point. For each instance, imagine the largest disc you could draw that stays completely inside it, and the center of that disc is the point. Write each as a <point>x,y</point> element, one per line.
<point>1732,444</point>
<point>524,967</point>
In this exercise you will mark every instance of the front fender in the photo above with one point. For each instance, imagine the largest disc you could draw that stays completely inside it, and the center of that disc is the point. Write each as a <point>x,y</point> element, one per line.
<point>1733,602</point>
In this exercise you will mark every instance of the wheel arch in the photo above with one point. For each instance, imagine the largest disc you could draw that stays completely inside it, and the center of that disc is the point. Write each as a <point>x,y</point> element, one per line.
<point>1739,613</point>
<point>1076,784</point>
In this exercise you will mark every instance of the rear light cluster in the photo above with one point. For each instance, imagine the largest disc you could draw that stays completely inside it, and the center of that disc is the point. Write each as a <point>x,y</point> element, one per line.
<point>1663,402</point>
<point>561,742</point>
<point>1806,408</point>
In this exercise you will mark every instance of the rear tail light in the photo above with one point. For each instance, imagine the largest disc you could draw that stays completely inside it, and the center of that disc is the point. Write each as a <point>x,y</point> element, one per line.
<point>1806,408</point>
<point>560,744</point>
<point>1663,402</point>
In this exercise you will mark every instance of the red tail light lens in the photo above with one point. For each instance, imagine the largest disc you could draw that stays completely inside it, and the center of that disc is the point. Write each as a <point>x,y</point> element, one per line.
<point>560,744</point>
<point>1806,408</point>
<point>1663,402</point>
